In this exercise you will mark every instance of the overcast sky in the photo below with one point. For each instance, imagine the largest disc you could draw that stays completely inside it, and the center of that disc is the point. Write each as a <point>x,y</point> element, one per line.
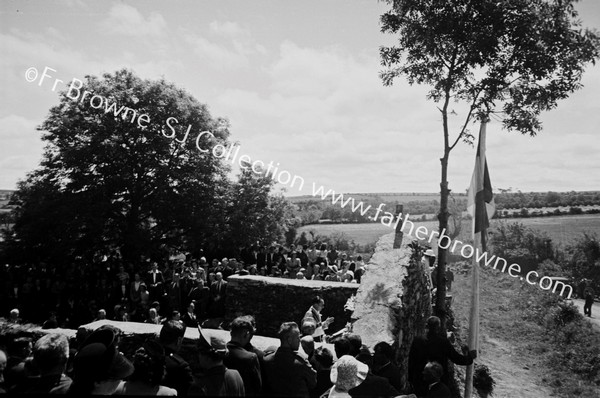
<point>299,84</point>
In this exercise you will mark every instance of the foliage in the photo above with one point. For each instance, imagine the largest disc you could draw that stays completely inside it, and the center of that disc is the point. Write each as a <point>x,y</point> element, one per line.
<point>584,259</point>
<point>483,381</point>
<point>538,200</point>
<point>253,215</point>
<point>521,56</point>
<point>576,345</point>
<point>108,182</point>
<point>522,245</point>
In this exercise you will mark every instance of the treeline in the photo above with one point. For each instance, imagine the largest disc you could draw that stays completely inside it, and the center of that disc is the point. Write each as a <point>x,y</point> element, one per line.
<point>534,250</point>
<point>538,200</point>
<point>313,211</point>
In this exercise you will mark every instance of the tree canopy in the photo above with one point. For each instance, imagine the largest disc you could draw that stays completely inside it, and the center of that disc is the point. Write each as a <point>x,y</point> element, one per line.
<point>126,180</point>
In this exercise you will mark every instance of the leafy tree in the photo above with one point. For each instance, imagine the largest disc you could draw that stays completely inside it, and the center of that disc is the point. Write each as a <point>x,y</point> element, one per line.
<point>519,244</point>
<point>254,215</point>
<point>108,180</point>
<point>584,259</point>
<point>512,57</point>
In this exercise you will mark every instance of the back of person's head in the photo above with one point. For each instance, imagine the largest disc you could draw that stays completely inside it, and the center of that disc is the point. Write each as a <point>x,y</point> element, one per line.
<point>240,325</point>
<point>342,346</point>
<point>433,372</point>
<point>308,327</point>
<point>149,363</point>
<point>383,350</point>
<point>51,353</point>
<point>20,347</point>
<point>433,325</point>
<point>287,330</point>
<point>308,345</point>
<point>324,357</point>
<point>355,343</point>
<point>171,332</point>
<point>316,300</point>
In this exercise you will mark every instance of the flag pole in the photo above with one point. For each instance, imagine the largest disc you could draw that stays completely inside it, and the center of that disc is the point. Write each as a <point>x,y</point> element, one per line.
<point>480,194</point>
<point>473,324</point>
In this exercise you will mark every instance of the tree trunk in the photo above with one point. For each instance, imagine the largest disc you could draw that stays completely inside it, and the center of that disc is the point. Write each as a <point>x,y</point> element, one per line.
<point>440,299</point>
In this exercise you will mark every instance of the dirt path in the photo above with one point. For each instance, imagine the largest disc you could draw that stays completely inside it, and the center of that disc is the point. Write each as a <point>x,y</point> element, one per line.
<point>595,319</point>
<point>516,370</point>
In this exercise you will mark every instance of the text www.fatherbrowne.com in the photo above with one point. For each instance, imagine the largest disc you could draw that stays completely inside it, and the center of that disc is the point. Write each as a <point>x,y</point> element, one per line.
<point>76,92</point>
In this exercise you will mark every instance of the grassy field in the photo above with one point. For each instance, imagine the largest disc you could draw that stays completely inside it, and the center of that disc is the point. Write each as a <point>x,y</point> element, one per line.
<point>561,229</point>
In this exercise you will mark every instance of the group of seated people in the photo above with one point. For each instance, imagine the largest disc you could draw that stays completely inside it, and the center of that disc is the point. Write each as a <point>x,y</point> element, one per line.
<point>299,366</point>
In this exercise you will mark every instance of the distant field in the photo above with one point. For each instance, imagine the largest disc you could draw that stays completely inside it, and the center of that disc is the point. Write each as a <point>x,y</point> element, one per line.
<point>561,229</point>
<point>384,197</point>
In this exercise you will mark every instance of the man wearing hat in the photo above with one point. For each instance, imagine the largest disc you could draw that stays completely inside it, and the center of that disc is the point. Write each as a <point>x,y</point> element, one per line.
<point>178,372</point>
<point>216,379</point>
<point>99,367</point>
<point>428,267</point>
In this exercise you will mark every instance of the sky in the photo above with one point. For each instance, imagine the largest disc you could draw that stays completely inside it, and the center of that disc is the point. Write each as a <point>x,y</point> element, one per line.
<point>299,84</point>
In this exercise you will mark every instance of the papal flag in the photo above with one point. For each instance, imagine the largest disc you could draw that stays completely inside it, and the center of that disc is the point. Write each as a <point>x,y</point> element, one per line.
<point>481,207</point>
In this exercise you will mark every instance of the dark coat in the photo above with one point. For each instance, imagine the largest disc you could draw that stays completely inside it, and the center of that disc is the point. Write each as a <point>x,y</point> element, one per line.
<point>392,373</point>
<point>178,373</point>
<point>218,382</point>
<point>288,374</point>
<point>247,364</point>
<point>432,348</point>
<point>438,390</point>
<point>374,386</point>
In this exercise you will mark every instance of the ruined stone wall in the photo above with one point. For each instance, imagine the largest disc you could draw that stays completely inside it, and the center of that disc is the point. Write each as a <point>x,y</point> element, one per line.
<point>275,300</point>
<point>393,301</point>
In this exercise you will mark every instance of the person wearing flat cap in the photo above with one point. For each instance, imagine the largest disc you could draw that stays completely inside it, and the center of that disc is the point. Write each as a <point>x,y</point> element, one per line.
<point>215,380</point>
<point>99,367</point>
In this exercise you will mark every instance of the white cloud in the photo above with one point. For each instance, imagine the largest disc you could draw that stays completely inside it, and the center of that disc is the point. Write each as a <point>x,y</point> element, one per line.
<point>21,149</point>
<point>126,20</point>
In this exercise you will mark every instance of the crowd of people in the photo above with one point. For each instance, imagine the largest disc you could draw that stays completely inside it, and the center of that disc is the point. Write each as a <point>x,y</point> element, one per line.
<point>180,288</point>
<point>299,366</point>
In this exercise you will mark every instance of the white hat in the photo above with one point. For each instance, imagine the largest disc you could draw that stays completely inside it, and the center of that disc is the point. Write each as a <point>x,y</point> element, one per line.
<point>429,253</point>
<point>348,372</point>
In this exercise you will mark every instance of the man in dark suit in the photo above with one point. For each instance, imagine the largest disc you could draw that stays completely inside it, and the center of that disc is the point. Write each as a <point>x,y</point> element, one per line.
<point>218,293</point>
<point>287,372</point>
<point>261,259</point>
<point>242,360</point>
<point>174,293</point>
<point>155,282</point>
<point>383,365</point>
<point>433,347</point>
<point>200,295</point>
<point>189,318</point>
<point>178,372</point>
<point>270,259</point>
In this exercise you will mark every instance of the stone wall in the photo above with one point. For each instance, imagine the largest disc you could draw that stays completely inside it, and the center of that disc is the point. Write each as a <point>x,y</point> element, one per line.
<point>134,334</point>
<point>393,301</point>
<point>275,300</point>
